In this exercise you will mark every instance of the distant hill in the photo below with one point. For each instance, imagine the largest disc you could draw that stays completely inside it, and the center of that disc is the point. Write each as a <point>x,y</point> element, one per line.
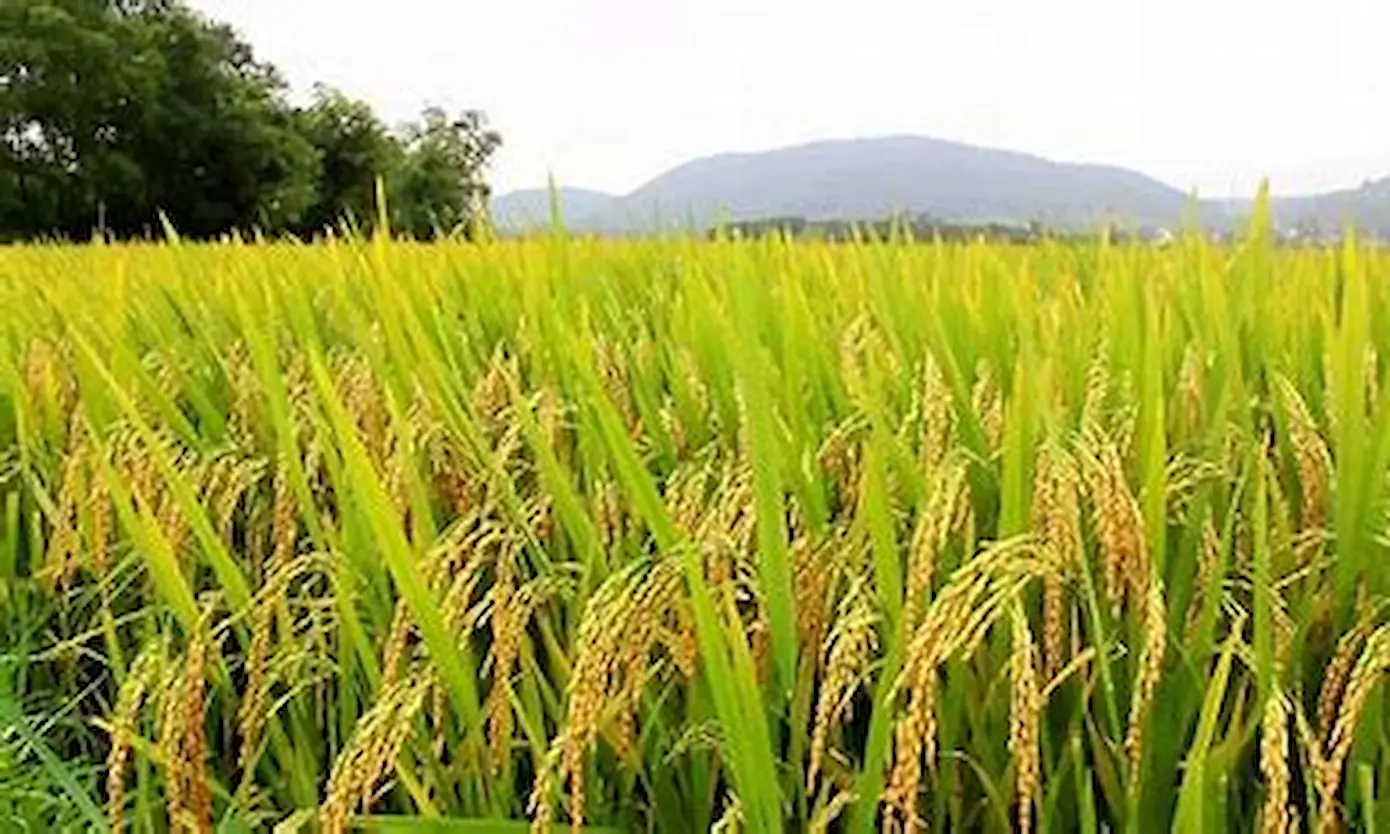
<point>858,179</point>
<point>530,208</point>
<point>1368,206</point>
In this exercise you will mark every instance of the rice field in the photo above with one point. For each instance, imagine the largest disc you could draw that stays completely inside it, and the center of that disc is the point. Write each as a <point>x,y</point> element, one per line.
<point>680,535</point>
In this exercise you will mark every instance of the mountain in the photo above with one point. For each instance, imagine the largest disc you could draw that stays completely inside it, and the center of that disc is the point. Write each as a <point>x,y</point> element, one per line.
<point>863,179</point>
<point>1367,206</point>
<point>530,208</point>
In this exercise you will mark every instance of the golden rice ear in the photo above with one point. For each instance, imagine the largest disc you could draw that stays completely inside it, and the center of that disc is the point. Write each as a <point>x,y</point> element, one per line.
<point>1190,385</point>
<point>1118,522</point>
<point>506,621</point>
<point>372,750</point>
<point>1275,817</point>
<point>1316,476</point>
<point>851,647</point>
<point>987,401</point>
<point>1098,383</point>
<point>182,749</point>
<point>1055,519</point>
<point>1208,580</point>
<point>195,746</point>
<point>812,575</point>
<point>540,804</point>
<point>1370,667</point>
<point>1146,679</point>
<point>172,720</point>
<point>255,696</point>
<point>144,673</point>
<point>1025,717</point>
<point>962,614</point>
<point>621,627</point>
<point>1337,671</point>
<point>937,414</point>
<point>510,614</point>
<point>934,527</point>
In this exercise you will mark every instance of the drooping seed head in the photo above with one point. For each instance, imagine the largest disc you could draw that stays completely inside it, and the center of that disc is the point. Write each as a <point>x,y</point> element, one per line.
<point>1274,766</point>
<point>1149,672</point>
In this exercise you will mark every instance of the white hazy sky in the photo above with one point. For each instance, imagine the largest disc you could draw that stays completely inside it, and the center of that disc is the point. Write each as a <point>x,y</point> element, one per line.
<point>1211,94</point>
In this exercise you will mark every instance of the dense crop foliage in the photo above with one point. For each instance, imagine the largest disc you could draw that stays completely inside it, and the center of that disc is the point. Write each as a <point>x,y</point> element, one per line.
<point>674,535</point>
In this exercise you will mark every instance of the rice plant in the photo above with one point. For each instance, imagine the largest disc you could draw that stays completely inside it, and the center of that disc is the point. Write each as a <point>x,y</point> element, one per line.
<point>678,535</point>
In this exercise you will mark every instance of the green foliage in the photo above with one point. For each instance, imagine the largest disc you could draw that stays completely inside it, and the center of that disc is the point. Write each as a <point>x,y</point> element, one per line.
<point>113,113</point>
<point>354,147</point>
<point>438,189</point>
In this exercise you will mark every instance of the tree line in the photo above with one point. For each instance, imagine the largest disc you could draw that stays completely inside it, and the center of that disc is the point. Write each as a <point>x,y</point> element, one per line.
<point>925,227</point>
<point>116,115</point>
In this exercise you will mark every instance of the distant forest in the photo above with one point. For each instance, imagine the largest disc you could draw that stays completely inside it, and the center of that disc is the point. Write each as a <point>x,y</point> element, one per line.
<point>927,228</point>
<point>916,228</point>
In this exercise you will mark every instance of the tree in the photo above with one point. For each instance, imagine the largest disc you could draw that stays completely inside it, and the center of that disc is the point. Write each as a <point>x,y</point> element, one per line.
<point>112,111</point>
<point>354,148</point>
<point>434,169</point>
<point>68,74</point>
<point>440,188</point>
<point>217,143</point>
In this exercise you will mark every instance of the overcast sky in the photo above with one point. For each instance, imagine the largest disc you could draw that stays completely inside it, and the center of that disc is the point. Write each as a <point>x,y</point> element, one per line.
<point>1210,94</point>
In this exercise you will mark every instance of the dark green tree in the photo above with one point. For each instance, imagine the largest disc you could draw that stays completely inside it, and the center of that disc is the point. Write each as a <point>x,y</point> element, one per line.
<point>113,111</point>
<point>354,148</point>
<point>440,188</point>
<point>70,77</point>
<point>217,143</point>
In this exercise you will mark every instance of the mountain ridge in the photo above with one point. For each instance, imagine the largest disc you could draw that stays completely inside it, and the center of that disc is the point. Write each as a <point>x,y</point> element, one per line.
<point>868,178</point>
<point>531,206</point>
